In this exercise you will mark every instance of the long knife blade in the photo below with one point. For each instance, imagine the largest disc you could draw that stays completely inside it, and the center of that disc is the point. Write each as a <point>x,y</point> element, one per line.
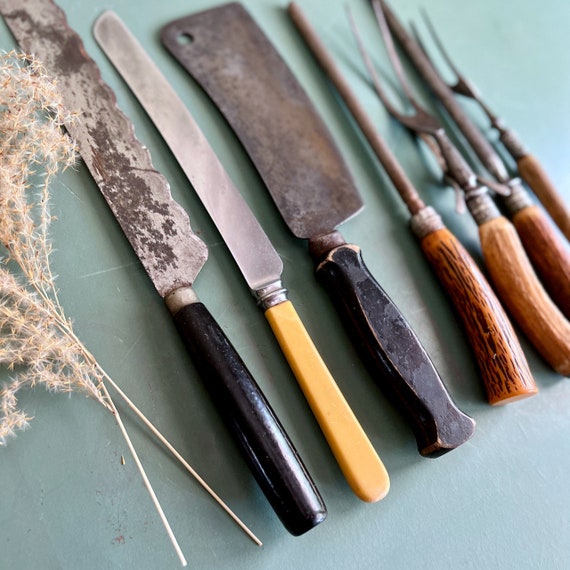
<point>252,250</point>
<point>231,58</point>
<point>160,233</point>
<point>156,226</point>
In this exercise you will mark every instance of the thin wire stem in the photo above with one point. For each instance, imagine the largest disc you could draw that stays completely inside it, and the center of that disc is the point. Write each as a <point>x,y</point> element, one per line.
<point>146,480</point>
<point>190,469</point>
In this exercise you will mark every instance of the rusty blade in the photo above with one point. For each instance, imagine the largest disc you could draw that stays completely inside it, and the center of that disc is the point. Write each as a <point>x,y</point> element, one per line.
<point>296,156</point>
<point>156,226</point>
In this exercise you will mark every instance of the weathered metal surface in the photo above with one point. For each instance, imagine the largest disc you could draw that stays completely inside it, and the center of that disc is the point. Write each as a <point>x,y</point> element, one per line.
<point>244,237</point>
<point>288,142</point>
<point>139,196</point>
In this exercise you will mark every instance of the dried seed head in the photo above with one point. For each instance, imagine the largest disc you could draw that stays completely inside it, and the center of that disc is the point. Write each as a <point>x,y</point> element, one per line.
<point>37,342</point>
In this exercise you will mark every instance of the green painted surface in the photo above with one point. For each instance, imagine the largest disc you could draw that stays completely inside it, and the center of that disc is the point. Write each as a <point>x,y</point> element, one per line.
<point>500,501</point>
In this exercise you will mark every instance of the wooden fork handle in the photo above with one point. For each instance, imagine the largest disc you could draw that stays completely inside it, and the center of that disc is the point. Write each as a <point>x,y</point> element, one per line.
<point>523,295</point>
<point>535,176</point>
<point>502,363</point>
<point>547,252</point>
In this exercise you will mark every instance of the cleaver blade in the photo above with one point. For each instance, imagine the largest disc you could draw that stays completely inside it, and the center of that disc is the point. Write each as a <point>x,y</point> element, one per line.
<point>159,231</point>
<point>236,64</point>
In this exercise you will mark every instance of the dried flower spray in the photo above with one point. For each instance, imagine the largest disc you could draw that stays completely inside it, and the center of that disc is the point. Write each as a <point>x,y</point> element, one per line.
<point>36,340</point>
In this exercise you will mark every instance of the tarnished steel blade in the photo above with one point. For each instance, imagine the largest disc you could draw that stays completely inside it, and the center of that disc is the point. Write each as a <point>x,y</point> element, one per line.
<point>245,238</point>
<point>228,54</point>
<point>139,196</point>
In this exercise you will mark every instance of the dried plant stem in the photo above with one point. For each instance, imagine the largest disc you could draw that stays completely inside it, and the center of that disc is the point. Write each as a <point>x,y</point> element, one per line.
<point>66,329</point>
<point>187,466</point>
<point>145,479</point>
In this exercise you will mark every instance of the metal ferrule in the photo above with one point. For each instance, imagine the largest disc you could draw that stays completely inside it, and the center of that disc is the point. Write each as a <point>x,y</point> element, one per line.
<point>518,199</point>
<point>180,298</point>
<point>512,143</point>
<point>481,206</point>
<point>425,222</point>
<point>271,295</point>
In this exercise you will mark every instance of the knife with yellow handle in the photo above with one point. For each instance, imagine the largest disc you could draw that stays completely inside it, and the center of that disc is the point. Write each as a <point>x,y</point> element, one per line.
<point>258,261</point>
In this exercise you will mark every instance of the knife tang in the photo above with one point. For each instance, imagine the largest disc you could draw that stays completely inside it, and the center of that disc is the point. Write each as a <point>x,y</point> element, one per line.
<point>249,417</point>
<point>390,348</point>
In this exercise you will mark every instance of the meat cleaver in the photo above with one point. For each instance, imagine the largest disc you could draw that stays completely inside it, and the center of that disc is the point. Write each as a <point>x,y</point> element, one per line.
<point>235,63</point>
<point>159,232</point>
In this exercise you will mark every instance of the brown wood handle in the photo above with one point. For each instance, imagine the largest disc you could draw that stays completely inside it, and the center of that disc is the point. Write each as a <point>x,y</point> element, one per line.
<point>535,176</point>
<point>502,363</point>
<point>547,252</point>
<point>522,294</point>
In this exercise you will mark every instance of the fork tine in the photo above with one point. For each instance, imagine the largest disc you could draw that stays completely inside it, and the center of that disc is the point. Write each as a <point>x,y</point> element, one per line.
<point>372,70</point>
<point>420,121</point>
<point>392,53</point>
<point>463,85</point>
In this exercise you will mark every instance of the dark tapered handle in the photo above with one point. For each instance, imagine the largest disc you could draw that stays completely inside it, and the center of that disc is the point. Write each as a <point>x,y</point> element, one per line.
<point>270,454</point>
<point>393,353</point>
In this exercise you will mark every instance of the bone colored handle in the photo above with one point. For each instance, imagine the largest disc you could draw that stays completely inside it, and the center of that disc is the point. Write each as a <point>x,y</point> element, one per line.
<point>520,290</point>
<point>535,176</point>
<point>547,252</point>
<point>361,466</point>
<point>503,366</point>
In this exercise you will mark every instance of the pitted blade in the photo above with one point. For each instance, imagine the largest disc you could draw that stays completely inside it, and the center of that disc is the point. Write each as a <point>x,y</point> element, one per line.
<point>253,252</point>
<point>235,63</point>
<point>156,226</point>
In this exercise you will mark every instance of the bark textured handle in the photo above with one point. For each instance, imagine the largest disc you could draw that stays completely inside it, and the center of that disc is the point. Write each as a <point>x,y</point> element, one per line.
<point>548,254</point>
<point>523,295</point>
<point>535,176</point>
<point>359,462</point>
<point>502,363</point>
<point>393,353</point>
<point>266,447</point>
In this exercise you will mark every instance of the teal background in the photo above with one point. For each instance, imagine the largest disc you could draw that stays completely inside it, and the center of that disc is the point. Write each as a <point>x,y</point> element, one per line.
<point>499,501</point>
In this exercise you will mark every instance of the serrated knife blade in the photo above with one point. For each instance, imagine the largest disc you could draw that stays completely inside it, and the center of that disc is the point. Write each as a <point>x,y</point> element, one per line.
<point>159,231</point>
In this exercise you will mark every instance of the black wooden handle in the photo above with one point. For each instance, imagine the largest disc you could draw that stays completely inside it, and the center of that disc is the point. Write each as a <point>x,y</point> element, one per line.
<point>393,353</point>
<point>268,451</point>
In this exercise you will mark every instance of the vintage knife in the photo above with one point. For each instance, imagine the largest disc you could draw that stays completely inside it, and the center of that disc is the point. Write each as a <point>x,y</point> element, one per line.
<point>258,261</point>
<point>159,232</point>
<point>242,72</point>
